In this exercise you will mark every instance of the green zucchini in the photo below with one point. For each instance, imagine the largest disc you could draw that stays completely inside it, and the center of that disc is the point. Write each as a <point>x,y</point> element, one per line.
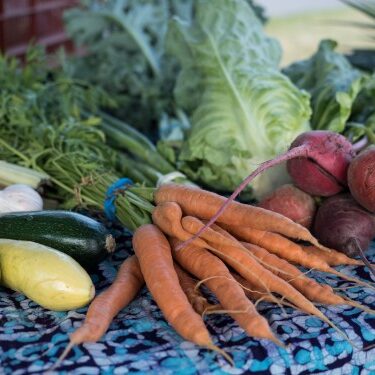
<point>84,239</point>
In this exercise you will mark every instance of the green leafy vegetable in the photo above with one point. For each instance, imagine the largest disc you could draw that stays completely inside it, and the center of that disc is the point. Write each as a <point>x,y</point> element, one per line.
<point>125,44</point>
<point>362,120</point>
<point>124,40</point>
<point>333,84</point>
<point>364,105</point>
<point>42,127</point>
<point>242,109</point>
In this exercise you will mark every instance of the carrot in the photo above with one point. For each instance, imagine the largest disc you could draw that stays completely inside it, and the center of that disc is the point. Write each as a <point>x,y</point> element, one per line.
<point>276,244</point>
<point>207,205</point>
<point>332,258</point>
<point>258,294</point>
<point>212,237</point>
<point>188,285</point>
<point>308,287</point>
<point>192,224</point>
<point>248,267</point>
<point>252,291</point>
<point>288,250</point>
<point>218,279</point>
<point>261,277</point>
<point>106,306</point>
<point>167,216</point>
<point>155,258</point>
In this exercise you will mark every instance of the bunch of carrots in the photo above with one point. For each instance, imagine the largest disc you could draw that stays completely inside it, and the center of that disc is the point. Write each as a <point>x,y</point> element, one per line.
<point>248,255</point>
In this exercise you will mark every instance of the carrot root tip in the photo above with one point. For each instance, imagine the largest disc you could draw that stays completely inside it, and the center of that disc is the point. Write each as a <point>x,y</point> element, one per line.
<point>321,247</point>
<point>215,348</point>
<point>61,358</point>
<point>278,342</point>
<point>358,305</point>
<point>352,279</point>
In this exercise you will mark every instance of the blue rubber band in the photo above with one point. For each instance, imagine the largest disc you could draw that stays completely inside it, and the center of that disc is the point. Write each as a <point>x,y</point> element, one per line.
<point>111,195</point>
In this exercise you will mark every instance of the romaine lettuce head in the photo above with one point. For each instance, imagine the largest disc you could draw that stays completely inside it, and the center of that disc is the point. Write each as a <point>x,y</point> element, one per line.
<point>242,109</point>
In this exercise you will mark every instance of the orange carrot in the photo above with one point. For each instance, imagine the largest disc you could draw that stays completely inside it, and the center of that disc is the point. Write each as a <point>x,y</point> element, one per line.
<point>154,254</point>
<point>218,279</point>
<point>248,267</point>
<point>311,289</point>
<point>167,216</point>
<point>308,287</point>
<point>333,258</point>
<point>211,236</point>
<point>275,243</point>
<point>287,250</point>
<point>188,285</point>
<point>252,291</point>
<point>204,205</point>
<point>106,306</point>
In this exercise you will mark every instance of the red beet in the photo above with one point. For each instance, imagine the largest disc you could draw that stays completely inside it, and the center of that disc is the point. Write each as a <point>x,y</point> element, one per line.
<point>341,223</point>
<point>325,155</point>
<point>361,178</point>
<point>324,171</point>
<point>291,202</point>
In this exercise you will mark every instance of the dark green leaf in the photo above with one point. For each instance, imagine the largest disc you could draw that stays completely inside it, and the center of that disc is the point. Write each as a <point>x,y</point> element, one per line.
<point>333,84</point>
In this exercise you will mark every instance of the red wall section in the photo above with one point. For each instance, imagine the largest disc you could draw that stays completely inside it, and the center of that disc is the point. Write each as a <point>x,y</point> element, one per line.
<point>22,21</point>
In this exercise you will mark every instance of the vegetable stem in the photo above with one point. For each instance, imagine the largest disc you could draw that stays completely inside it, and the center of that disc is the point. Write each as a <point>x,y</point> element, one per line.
<point>127,129</point>
<point>15,174</point>
<point>126,142</point>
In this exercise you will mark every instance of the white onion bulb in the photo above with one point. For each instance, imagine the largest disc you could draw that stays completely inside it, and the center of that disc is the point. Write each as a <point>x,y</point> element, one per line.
<point>20,197</point>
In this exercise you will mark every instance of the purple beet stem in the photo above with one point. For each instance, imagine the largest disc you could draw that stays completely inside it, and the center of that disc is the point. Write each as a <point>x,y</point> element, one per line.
<point>299,151</point>
<point>359,145</point>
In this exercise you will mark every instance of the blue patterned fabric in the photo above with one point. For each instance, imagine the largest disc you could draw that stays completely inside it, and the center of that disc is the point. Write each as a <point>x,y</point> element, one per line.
<point>140,341</point>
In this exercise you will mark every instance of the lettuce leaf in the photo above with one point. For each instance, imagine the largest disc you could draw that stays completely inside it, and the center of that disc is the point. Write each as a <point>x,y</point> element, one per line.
<point>242,110</point>
<point>333,84</point>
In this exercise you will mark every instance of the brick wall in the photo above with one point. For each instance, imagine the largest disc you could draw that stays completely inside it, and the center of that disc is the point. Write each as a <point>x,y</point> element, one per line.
<point>38,20</point>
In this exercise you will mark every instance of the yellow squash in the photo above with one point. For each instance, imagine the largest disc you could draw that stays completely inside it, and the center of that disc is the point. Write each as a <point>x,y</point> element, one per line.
<point>52,279</point>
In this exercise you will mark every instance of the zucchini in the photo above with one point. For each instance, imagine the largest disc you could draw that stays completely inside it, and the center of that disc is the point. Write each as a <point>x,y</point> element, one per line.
<point>84,239</point>
<point>48,277</point>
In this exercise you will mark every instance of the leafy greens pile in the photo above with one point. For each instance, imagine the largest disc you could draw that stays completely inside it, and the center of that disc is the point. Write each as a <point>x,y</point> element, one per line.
<point>125,44</point>
<point>43,127</point>
<point>333,84</point>
<point>342,97</point>
<point>210,76</point>
<point>242,109</point>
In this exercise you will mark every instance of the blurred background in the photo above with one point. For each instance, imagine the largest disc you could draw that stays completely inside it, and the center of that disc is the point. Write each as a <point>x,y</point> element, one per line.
<point>129,67</point>
<point>298,25</point>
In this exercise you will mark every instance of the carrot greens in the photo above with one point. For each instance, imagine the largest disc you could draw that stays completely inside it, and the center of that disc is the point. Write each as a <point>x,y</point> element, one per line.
<point>47,124</point>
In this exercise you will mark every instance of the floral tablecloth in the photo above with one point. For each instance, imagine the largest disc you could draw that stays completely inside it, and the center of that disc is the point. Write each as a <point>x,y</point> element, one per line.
<point>140,341</point>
